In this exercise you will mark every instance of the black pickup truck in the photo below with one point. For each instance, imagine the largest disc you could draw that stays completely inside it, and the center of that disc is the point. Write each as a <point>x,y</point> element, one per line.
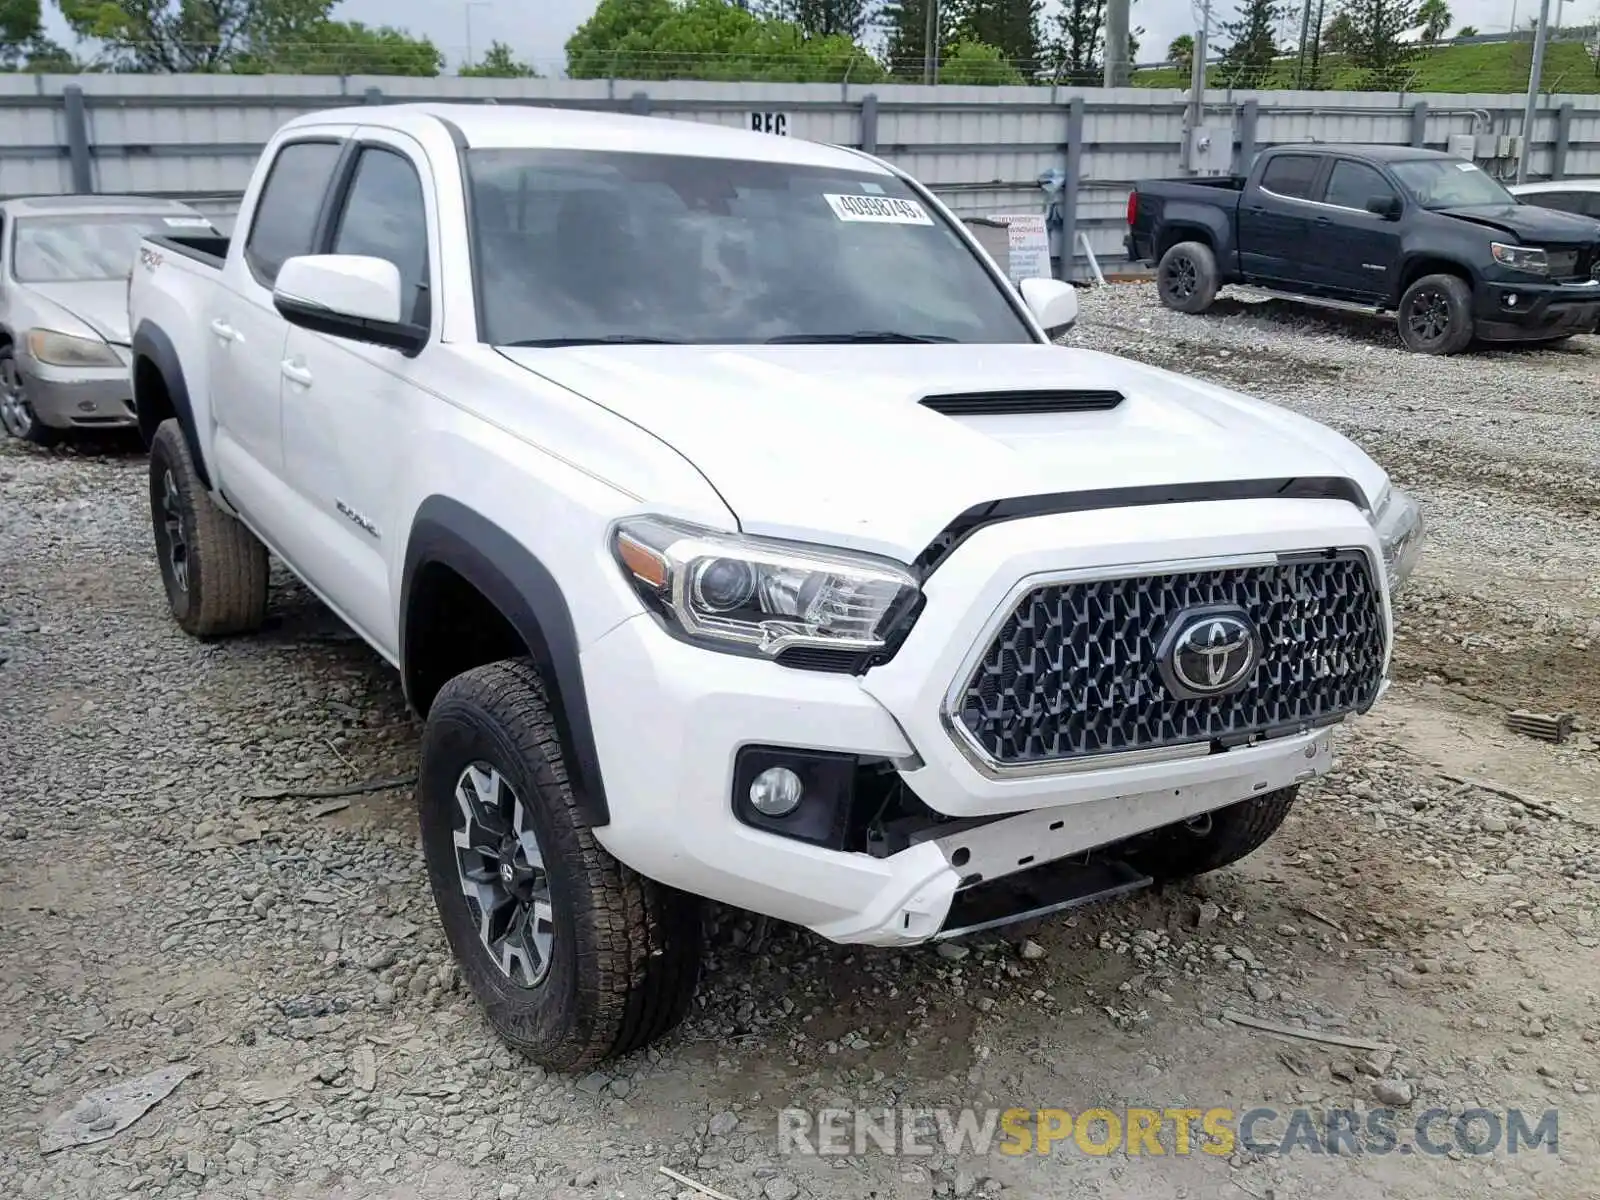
<point>1425,235</point>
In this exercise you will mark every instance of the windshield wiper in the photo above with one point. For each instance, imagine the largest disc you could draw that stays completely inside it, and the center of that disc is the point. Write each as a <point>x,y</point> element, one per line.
<point>609,339</point>
<point>863,335</point>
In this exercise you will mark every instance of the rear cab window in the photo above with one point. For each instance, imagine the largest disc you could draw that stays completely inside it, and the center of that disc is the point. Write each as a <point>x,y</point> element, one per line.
<point>1291,175</point>
<point>285,220</point>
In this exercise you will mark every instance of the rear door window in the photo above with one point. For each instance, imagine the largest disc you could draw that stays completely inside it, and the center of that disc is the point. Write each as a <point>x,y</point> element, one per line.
<point>1292,175</point>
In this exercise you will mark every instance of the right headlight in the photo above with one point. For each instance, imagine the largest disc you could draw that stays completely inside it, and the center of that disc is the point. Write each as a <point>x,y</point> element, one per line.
<point>728,591</point>
<point>69,350</point>
<point>1398,523</point>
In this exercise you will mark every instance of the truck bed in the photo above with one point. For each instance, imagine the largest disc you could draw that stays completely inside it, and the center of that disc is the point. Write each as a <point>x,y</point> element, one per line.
<point>210,250</point>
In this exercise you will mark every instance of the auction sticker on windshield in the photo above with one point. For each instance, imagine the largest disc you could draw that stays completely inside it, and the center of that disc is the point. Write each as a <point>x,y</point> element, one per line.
<point>888,210</point>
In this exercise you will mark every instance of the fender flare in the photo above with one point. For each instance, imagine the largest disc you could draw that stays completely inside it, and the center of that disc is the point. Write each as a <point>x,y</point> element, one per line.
<point>151,343</point>
<point>525,593</point>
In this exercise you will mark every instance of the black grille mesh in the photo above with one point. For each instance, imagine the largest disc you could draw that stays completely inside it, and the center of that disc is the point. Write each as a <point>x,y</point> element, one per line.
<point>1073,670</point>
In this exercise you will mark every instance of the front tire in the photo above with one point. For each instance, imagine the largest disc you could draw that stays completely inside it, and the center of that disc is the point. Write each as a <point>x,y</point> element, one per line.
<point>1187,278</point>
<point>16,413</point>
<point>573,957</point>
<point>1213,840</point>
<point>213,568</point>
<point>1435,315</point>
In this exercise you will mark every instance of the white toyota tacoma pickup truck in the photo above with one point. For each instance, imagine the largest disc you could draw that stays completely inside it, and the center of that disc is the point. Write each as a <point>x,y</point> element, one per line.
<point>740,533</point>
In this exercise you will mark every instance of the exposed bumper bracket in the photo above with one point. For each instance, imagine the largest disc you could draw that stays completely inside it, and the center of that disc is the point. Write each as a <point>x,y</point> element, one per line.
<point>1038,892</point>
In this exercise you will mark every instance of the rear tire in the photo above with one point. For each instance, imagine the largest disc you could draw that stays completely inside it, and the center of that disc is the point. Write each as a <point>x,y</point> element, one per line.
<point>1214,840</point>
<point>214,569</point>
<point>574,958</point>
<point>1187,278</point>
<point>1435,315</point>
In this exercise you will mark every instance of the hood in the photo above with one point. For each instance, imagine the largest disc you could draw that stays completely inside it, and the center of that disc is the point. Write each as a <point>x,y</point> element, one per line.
<point>1530,223</point>
<point>830,443</point>
<point>101,304</point>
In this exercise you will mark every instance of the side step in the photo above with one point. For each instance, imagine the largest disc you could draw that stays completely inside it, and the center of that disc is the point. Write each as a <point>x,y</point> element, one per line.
<point>1038,892</point>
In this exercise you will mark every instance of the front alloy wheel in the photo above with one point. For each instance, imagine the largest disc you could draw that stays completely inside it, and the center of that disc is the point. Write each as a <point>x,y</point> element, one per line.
<point>16,414</point>
<point>503,876</point>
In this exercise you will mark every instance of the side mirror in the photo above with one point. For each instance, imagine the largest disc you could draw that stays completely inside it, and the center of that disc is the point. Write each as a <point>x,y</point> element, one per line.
<point>1387,207</point>
<point>347,296</point>
<point>1053,303</point>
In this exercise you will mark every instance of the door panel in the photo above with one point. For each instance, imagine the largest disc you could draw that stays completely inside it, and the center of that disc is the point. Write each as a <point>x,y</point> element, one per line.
<point>340,397</point>
<point>1275,221</point>
<point>1358,251</point>
<point>244,333</point>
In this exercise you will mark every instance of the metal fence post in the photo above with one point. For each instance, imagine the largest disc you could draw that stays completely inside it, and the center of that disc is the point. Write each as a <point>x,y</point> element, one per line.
<point>77,138</point>
<point>639,104</point>
<point>374,95</point>
<point>1558,152</point>
<point>869,123</point>
<point>1069,189</point>
<point>1249,114</point>
<point>1419,123</point>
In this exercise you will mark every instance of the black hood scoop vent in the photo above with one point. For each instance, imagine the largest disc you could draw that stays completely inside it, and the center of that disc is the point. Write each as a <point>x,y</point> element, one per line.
<point>1030,401</point>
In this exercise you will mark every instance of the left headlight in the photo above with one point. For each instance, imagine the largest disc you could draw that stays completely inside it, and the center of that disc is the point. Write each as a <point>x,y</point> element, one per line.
<point>731,592</point>
<point>1398,523</point>
<point>69,350</point>
<point>1532,259</point>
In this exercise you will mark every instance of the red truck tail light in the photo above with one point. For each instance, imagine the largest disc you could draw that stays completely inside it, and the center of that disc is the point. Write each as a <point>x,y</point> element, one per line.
<point>1133,207</point>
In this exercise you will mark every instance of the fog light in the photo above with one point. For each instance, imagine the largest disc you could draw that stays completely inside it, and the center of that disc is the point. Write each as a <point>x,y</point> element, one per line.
<point>776,792</point>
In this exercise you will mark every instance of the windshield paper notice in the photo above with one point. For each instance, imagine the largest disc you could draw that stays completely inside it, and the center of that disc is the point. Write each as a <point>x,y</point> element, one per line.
<point>885,210</point>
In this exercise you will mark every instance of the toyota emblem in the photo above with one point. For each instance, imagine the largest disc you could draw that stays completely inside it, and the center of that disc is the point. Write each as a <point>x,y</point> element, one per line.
<point>1210,653</point>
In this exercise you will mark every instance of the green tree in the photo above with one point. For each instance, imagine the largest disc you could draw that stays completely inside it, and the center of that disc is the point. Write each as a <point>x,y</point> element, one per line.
<point>21,26</point>
<point>499,62</point>
<point>1375,46</point>
<point>822,18</point>
<point>977,63</point>
<point>708,39</point>
<point>1010,26</point>
<point>1467,31</point>
<point>190,35</point>
<point>1253,42</point>
<point>1075,45</point>
<point>905,25</point>
<point>1337,33</point>
<point>1435,18</point>
<point>1180,52</point>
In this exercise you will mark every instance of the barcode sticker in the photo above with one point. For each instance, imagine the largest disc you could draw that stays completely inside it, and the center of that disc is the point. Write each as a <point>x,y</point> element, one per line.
<point>884,210</point>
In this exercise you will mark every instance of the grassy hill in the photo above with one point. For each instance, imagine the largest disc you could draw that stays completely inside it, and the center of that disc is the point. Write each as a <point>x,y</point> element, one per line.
<point>1492,67</point>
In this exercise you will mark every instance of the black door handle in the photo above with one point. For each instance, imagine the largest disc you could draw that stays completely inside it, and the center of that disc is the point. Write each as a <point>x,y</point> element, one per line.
<point>1324,221</point>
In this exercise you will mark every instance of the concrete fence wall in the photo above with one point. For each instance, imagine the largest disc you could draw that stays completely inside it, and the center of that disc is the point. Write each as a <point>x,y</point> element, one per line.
<point>983,150</point>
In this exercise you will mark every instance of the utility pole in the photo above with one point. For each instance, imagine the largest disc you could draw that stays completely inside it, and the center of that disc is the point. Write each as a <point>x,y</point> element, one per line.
<point>1197,87</point>
<point>930,44</point>
<point>1116,71</point>
<point>1540,36</point>
<point>467,8</point>
<point>1305,34</point>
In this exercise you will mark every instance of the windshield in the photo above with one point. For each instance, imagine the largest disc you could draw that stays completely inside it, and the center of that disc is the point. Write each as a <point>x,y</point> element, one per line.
<point>586,246</point>
<point>74,249</point>
<point>1446,183</point>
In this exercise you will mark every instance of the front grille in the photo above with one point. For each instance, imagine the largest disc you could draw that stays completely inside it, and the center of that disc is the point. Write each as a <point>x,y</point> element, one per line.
<point>1570,263</point>
<point>1074,672</point>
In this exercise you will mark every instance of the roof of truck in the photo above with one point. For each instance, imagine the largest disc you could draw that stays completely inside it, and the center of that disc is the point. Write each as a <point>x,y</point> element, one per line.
<point>1378,153</point>
<point>529,127</point>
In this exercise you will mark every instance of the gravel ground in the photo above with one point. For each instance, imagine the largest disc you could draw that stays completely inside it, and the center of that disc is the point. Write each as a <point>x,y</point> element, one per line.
<point>158,905</point>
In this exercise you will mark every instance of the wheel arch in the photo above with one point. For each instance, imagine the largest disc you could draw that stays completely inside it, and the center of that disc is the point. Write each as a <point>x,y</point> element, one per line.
<point>460,565</point>
<point>1415,267</point>
<point>160,392</point>
<point>1185,230</point>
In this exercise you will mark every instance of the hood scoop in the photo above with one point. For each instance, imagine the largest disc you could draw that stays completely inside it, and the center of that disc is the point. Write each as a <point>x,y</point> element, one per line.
<point>1023,402</point>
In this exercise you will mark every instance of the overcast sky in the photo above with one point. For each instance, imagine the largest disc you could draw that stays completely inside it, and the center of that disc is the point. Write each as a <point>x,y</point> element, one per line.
<point>537,29</point>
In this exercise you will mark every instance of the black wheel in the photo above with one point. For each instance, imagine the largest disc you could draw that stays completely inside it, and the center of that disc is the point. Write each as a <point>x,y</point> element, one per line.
<point>573,957</point>
<point>1212,840</point>
<point>16,414</point>
<point>214,569</point>
<point>1186,277</point>
<point>1435,315</point>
